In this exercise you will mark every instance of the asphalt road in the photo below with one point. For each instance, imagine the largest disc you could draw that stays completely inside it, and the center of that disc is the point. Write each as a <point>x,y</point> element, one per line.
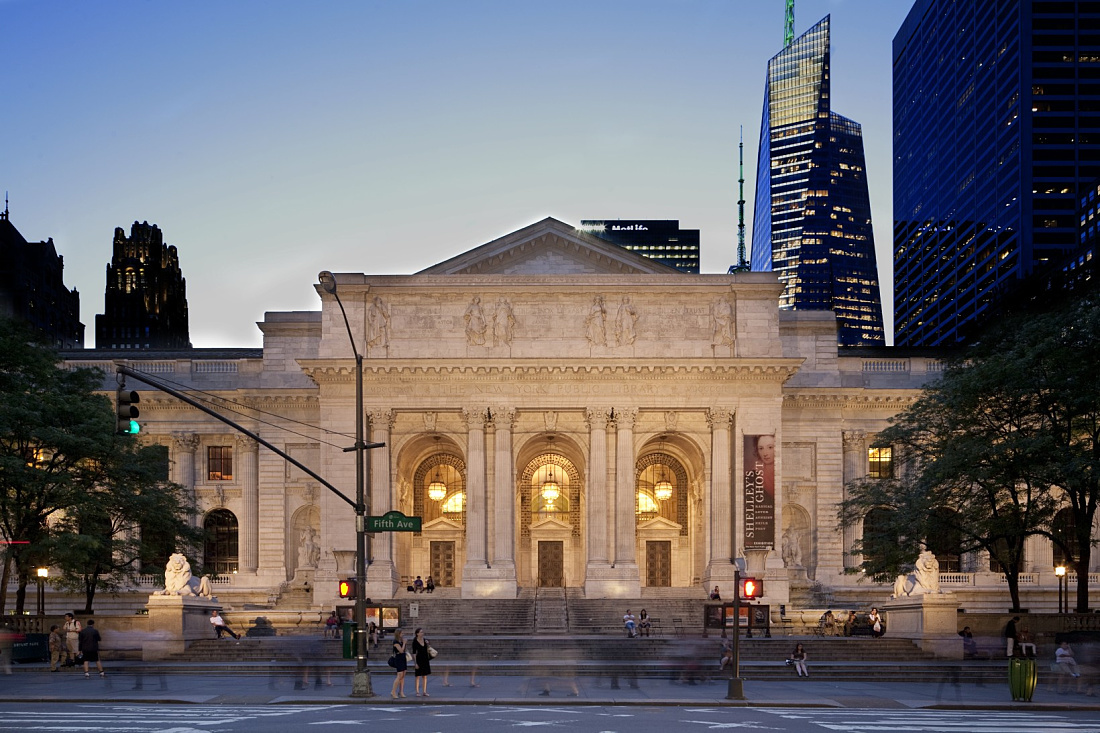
<point>130,718</point>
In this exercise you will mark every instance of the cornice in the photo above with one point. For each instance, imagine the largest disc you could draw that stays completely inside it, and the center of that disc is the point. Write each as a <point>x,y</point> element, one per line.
<point>742,370</point>
<point>886,399</point>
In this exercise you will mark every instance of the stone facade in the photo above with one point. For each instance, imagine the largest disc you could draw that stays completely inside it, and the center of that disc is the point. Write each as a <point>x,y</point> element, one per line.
<point>557,410</point>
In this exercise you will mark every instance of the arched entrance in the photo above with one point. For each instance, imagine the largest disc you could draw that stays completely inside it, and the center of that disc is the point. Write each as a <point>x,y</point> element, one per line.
<point>551,554</point>
<point>220,549</point>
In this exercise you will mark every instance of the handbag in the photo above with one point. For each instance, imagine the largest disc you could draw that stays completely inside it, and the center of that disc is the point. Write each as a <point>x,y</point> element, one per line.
<point>392,661</point>
<point>409,658</point>
<point>432,652</point>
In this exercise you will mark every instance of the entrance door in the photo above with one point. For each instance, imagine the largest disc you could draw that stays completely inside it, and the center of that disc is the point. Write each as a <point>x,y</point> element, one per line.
<point>551,564</point>
<point>658,564</point>
<point>443,563</point>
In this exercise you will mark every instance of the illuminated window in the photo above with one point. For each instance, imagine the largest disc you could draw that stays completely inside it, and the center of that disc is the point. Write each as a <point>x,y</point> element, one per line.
<point>219,463</point>
<point>455,503</point>
<point>880,462</point>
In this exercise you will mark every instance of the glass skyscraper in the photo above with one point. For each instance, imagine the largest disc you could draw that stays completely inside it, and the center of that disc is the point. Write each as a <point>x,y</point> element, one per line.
<point>812,222</point>
<point>996,136</point>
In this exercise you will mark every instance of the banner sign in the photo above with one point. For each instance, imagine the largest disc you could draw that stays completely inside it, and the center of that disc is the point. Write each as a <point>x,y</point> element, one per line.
<point>759,492</point>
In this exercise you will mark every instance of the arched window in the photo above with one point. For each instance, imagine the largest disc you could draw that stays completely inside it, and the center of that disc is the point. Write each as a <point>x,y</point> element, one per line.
<point>550,491</point>
<point>220,556</point>
<point>441,489</point>
<point>661,489</point>
<point>1064,528</point>
<point>945,541</point>
<point>880,537</point>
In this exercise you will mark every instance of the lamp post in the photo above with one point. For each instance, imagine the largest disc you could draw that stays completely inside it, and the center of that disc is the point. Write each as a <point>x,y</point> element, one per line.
<point>1060,572</point>
<point>43,573</point>
<point>361,684</point>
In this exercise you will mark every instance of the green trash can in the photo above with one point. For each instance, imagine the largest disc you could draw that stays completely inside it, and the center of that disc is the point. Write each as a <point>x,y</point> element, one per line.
<point>1022,676</point>
<point>347,637</point>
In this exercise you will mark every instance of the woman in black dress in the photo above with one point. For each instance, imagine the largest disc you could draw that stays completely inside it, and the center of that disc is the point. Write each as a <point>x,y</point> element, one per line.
<point>423,661</point>
<point>401,666</point>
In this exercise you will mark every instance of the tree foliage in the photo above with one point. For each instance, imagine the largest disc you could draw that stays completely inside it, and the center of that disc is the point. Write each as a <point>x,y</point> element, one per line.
<point>993,450</point>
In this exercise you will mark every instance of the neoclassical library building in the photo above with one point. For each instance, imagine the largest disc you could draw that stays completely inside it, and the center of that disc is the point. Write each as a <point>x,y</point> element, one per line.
<point>558,412</point>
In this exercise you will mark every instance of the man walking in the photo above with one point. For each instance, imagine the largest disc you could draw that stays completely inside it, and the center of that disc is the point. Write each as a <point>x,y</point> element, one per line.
<point>1011,635</point>
<point>89,647</point>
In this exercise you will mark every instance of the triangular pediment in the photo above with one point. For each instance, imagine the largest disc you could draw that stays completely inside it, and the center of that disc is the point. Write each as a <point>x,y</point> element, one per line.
<point>442,524</point>
<point>549,247</point>
<point>658,524</point>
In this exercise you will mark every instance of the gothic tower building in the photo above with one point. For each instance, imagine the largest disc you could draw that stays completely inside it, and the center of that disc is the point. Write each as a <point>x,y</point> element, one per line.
<point>145,304</point>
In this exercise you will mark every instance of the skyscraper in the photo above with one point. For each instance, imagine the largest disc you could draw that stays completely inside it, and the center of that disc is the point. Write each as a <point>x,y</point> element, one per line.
<point>145,304</point>
<point>32,289</point>
<point>658,239</point>
<point>812,222</point>
<point>996,137</point>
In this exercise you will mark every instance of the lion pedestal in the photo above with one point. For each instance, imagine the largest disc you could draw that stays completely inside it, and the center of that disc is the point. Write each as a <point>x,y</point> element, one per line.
<point>929,619</point>
<point>176,621</point>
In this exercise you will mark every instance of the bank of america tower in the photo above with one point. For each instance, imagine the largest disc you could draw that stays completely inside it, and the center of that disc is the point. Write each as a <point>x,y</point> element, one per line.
<point>812,221</point>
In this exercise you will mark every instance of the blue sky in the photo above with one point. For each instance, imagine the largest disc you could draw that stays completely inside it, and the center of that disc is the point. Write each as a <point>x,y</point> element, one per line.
<point>271,140</point>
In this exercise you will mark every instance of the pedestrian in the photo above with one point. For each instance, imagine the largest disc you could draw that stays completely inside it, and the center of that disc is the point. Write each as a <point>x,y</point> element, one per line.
<point>644,624</point>
<point>1023,641</point>
<point>727,652</point>
<point>332,626</point>
<point>373,634</point>
<point>628,622</point>
<point>430,585</point>
<point>850,623</point>
<point>72,629</point>
<point>1064,660</point>
<point>970,647</point>
<point>875,620</point>
<point>57,648</point>
<point>400,663</point>
<point>422,658</point>
<point>418,585</point>
<point>1011,635</point>
<point>715,595</point>
<point>798,659</point>
<point>88,644</point>
<point>221,627</point>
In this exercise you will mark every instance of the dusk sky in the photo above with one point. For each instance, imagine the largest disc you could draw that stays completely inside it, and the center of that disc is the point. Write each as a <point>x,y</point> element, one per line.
<point>272,140</point>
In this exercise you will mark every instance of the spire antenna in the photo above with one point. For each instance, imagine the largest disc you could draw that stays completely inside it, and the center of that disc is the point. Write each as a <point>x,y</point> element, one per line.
<point>788,24</point>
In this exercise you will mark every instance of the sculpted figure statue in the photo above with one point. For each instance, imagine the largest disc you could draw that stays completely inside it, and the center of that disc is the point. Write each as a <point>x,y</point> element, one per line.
<point>925,577</point>
<point>792,548</point>
<point>178,580</point>
<point>309,552</point>
<point>595,324</point>
<point>721,314</point>
<point>504,320</point>
<point>625,319</point>
<point>475,323</point>
<point>378,323</point>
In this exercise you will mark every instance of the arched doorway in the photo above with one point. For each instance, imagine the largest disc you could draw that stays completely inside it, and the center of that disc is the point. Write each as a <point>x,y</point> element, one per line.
<point>661,520</point>
<point>550,553</point>
<point>220,548</point>
<point>439,498</point>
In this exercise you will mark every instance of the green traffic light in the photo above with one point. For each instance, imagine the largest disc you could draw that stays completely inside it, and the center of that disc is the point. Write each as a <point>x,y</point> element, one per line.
<point>135,427</point>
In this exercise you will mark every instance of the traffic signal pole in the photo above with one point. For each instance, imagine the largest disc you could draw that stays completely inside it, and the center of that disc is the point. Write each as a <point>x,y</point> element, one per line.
<point>736,689</point>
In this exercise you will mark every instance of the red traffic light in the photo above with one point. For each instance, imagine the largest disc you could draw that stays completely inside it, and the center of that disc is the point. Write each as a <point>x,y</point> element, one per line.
<point>348,588</point>
<point>751,588</point>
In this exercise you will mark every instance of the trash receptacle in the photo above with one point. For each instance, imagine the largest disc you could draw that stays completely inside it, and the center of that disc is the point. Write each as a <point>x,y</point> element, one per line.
<point>348,641</point>
<point>1022,676</point>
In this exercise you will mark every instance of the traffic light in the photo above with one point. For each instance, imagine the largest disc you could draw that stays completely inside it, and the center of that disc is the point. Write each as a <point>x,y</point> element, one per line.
<point>750,589</point>
<point>126,410</point>
<point>348,588</point>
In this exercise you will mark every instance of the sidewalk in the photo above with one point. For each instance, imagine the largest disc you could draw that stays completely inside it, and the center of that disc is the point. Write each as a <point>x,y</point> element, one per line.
<point>144,683</point>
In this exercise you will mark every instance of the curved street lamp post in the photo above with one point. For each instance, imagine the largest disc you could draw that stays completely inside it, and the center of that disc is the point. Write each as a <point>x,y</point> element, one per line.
<point>361,683</point>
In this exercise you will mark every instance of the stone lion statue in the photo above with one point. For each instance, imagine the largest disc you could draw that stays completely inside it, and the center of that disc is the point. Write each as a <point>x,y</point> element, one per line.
<point>925,577</point>
<point>178,580</point>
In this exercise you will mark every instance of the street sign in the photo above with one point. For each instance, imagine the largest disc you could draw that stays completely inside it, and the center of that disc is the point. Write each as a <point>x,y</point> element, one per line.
<point>393,522</point>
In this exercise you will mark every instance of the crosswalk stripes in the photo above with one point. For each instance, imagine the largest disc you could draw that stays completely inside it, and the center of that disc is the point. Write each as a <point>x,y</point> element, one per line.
<point>906,720</point>
<point>137,718</point>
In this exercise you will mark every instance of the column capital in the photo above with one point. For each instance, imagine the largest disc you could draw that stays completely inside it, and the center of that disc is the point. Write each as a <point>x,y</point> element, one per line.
<point>188,442</point>
<point>625,417</point>
<point>719,417</point>
<point>245,444</point>
<point>597,417</point>
<point>503,418</point>
<point>381,418</point>
<point>853,439</point>
<point>475,417</point>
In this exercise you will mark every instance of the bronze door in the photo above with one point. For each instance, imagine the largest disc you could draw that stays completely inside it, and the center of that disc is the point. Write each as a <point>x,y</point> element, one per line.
<point>658,564</point>
<point>443,563</point>
<point>551,564</point>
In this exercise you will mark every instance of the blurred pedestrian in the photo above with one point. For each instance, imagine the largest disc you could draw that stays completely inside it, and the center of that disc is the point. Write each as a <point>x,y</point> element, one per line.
<point>57,648</point>
<point>89,647</point>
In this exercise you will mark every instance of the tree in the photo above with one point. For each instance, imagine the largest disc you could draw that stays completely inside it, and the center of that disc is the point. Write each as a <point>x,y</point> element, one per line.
<point>51,423</point>
<point>99,542</point>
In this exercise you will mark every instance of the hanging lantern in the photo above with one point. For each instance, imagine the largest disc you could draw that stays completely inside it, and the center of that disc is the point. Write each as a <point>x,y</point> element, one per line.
<point>437,490</point>
<point>550,489</point>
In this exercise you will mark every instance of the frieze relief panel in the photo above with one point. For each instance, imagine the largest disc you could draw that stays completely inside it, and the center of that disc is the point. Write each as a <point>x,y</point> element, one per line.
<point>800,462</point>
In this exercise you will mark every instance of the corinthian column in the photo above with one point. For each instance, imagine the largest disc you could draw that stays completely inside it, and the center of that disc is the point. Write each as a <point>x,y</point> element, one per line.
<point>184,446</point>
<point>504,493</point>
<point>250,504</point>
<point>720,511</point>
<point>381,574</point>
<point>596,491</point>
<point>625,544</point>
<point>475,487</point>
<point>855,456</point>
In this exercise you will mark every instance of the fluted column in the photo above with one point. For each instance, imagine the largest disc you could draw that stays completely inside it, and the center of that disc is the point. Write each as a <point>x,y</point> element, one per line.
<point>504,492</point>
<point>854,467</point>
<point>475,486</point>
<point>184,446</point>
<point>625,545</point>
<point>596,491</point>
<point>721,549</point>
<point>249,556</point>
<point>381,494</point>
